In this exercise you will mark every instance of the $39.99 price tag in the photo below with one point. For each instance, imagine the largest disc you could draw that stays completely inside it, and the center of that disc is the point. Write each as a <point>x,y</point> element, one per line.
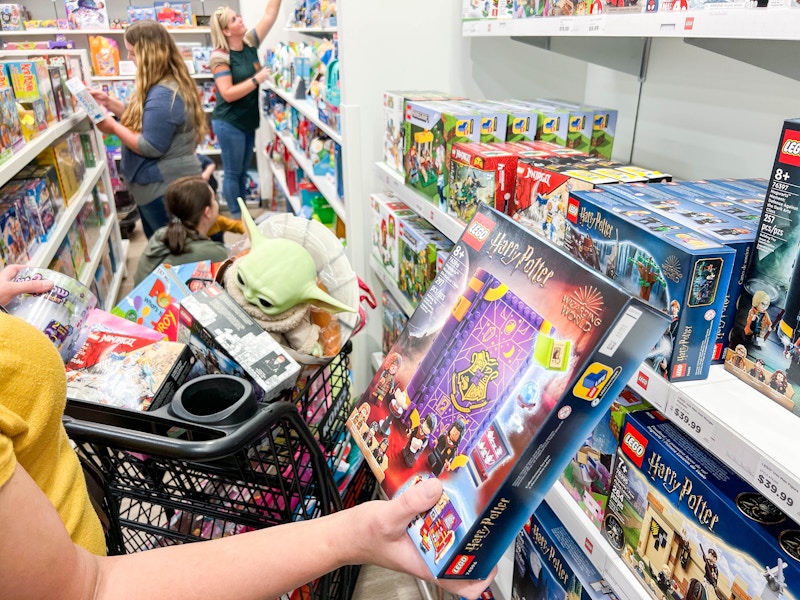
<point>781,490</point>
<point>691,419</point>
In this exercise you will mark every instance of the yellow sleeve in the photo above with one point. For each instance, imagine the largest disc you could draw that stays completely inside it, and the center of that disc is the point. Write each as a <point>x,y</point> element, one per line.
<point>226,224</point>
<point>10,426</point>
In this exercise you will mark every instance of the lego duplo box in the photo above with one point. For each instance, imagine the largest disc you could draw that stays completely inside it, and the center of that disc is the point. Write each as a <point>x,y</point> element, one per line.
<point>480,173</point>
<point>587,478</point>
<point>722,228</point>
<point>387,211</point>
<point>506,366</point>
<point>225,339</point>
<point>549,564</point>
<point>767,324</point>
<point>686,525</point>
<point>431,129</point>
<point>677,270</point>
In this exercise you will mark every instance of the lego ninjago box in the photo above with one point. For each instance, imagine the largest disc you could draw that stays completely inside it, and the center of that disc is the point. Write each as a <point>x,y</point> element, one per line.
<point>510,360</point>
<point>688,527</point>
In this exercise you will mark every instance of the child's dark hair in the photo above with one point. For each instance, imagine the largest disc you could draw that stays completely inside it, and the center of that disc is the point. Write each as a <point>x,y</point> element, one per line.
<point>185,200</point>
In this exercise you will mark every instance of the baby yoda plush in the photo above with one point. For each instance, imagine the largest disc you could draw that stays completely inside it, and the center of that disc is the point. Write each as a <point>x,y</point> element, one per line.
<point>276,283</point>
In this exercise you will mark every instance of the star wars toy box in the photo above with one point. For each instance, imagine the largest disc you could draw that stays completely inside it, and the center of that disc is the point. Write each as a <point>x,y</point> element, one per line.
<point>480,173</point>
<point>767,324</point>
<point>387,212</point>
<point>430,130</point>
<point>225,339</point>
<point>722,228</point>
<point>687,526</point>
<point>506,366</point>
<point>587,478</point>
<point>676,269</point>
<point>549,564</point>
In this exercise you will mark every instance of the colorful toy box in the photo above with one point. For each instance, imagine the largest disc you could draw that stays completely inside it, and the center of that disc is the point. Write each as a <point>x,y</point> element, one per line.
<point>387,211</point>
<point>551,122</point>
<point>12,17</point>
<point>431,129</point>
<point>686,525</point>
<point>394,321</point>
<point>11,138</point>
<point>510,360</point>
<point>83,14</point>
<point>719,202</point>
<point>174,14</point>
<point>549,564</point>
<point>587,478</point>
<point>677,270</point>
<point>31,82</point>
<point>526,9</point>
<point>767,324</point>
<point>522,120</point>
<point>225,339</point>
<point>604,126</point>
<point>492,121</point>
<point>580,124</point>
<point>480,173</point>
<point>651,175</point>
<point>419,247</point>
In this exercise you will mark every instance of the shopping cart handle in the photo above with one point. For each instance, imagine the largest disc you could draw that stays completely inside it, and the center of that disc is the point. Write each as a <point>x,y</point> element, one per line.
<point>161,434</point>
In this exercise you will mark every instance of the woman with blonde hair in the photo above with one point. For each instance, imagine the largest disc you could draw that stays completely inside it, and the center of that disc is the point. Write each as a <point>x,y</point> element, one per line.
<point>238,75</point>
<point>162,123</point>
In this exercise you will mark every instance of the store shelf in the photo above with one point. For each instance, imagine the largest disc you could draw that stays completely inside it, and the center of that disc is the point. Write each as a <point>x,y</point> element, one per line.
<point>68,32</point>
<point>391,285</point>
<point>316,31</point>
<point>280,176</point>
<point>32,148</point>
<point>753,435</point>
<point>420,204</point>
<point>98,251</point>
<point>116,283</point>
<point>717,21</point>
<point>47,250</point>
<point>307,109</point>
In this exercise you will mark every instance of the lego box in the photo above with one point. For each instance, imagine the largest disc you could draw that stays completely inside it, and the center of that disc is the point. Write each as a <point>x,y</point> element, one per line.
<point>509,361</point>
<point>387,211</point>
<point>679,271</point>
<point>480,174</point>
<point>687,526</point>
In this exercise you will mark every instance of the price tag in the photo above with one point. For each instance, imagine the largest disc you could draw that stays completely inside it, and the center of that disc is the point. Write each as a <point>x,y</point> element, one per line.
<point>565,25</point>
<point>685,413</point>
<point>597,24</point>
<point>784,492</point>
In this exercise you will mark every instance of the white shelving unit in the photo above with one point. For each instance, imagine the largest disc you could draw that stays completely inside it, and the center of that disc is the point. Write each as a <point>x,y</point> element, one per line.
<point>280,176</point>
<point>307,109</point>
<point>69,32</point>
<point>391,286</point>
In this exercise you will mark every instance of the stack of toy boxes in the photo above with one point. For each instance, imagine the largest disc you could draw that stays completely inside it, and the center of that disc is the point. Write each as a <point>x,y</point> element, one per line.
<point>526,9</point>
<point>767,325</point>
<point>521,120</point>
<point>604,125</point>
<point>580,123</point>
<point>66,155</point>
<point>724,229</point>
<point>689,527</point>
<point>739,192</point>
<point>419,246</point>
<point>11,136</point>
<point>33,89</point>
<point>431,129</point>
<point>587,478</point>
<point>507,365</point>
<point>480,173</point>
<point>676,269</point>
<point>549,564</point>
<point>394,115</point>
<point>551,122</point>
<point>394,321</point>
<point>492,120</point>
<point>387,212</point>
<point>16,239</point>
<point>721,202</point>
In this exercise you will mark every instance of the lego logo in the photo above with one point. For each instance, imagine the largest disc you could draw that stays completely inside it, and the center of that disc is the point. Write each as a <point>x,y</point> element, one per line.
<point>572,210</point>
<point>459,565</point>
<point>791,147</point>
<point>634,445</point>
<point>642,380</point>
<point>478,231</point>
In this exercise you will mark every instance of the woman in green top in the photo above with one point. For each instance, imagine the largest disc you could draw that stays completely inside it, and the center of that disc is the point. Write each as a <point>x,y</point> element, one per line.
<point>238,75</point>
<point>192,209</point>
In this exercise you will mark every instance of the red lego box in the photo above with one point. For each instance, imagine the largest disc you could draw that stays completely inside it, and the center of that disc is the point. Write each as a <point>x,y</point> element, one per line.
<point>480,173</point>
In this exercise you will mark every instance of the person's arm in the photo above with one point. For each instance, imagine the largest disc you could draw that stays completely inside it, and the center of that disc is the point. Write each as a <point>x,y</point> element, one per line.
<point>208,170</point>
<point>10,288</point>
<point>113,105</point>
<point>255,565</point>
<point>221,69</point>
<point>267,20</point>
<point>226,224</point>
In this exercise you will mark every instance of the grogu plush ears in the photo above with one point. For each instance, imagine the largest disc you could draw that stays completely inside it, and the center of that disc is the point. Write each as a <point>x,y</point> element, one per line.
<point>278,274</point>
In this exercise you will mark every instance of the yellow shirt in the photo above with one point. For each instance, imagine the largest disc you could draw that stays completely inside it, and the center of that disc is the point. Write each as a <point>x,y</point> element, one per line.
<point>32,400</point>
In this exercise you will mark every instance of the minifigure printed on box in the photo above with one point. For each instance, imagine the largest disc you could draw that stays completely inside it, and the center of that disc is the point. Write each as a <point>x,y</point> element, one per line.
<point>480,173</point>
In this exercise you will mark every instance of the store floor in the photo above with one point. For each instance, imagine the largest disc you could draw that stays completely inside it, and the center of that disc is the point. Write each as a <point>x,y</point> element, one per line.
<point>373,583</point>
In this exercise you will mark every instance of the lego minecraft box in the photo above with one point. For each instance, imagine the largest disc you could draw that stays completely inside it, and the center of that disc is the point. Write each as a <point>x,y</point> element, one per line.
<point>687,526</point>
<point>765,336</point>
<point>510,360</point>
<point>676,269</point>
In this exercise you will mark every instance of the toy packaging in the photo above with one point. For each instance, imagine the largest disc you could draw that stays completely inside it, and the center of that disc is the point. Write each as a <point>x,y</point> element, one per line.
<point>549,564</point>
<point>141,13</point>
<point>31,83</point>
<point>420,246</point>
<point>687,526</point>
<point>12,17</point>
<point>766,331</point>
<point>721,202</point>
<point>93,110</point>
<point>587,478</point>
<point>480,173</point>
<point>11,137</point>
<point>604,126</point>
<point>551,122</point>
<point>492,120</point>
<point>174,14</point>
<point>525,9</point>
<point>580,124</point>
<point>87,14</point>
<point>105,55</point>
<point>394,321</point>
<point>225,339</point>
<point>387,211</point>
<point>507,364</point>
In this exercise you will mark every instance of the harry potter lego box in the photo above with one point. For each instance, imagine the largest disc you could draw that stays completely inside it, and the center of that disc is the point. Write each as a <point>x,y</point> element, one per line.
<point>511,358</point>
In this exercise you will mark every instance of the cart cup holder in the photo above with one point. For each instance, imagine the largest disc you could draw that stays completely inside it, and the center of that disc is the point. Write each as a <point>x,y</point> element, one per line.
<point>215,400</point>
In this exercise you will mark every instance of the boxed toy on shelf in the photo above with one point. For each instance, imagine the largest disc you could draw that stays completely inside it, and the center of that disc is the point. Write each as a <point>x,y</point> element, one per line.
<point>766,330</point>
<point>480,173</point>
<point>387,211</point>
<point>507,364</point>
<point>688,527</point>
<point>394,321</point>
<point>86,15</point>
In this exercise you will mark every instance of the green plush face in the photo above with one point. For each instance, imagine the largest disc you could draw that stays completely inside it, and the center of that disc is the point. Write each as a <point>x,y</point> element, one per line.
<point>278,274</point>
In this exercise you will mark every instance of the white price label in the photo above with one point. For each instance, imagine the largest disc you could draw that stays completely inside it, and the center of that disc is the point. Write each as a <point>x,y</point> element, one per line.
<point>565,25</point>
<point>685,413</point>
<point>597,24</point>
<point>775,485</point>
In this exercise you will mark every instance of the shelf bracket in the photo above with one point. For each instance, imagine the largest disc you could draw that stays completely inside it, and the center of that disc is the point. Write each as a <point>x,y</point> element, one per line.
<point>777,56</point>
<point>627,55</point>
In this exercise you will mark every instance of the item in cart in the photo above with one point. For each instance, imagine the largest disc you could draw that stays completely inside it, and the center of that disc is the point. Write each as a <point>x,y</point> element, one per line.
<point>510,360</point>
<point>686,525</point>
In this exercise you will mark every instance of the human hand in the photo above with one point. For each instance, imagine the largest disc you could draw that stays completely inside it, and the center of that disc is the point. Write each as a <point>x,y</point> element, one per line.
<point>100,97</point>
<point>385,542</point>
<point>262,75</point>
<point>107,125</point>
<point>10,288</point>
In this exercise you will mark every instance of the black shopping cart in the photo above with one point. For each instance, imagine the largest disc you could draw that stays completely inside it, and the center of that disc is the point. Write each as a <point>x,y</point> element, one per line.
<point>171,480</point>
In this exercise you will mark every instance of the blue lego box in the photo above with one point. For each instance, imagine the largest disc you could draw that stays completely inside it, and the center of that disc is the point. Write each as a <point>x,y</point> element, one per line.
<point>687,526</point>
<point>678,270</point>
<point>720,227</point>
<point>549,564</point>
<point>510,360</point>
<point>728,204</point>
<point>750,196</point>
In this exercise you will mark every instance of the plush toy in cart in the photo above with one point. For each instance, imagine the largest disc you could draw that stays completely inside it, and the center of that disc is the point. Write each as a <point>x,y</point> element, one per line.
<point>278,284</point>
